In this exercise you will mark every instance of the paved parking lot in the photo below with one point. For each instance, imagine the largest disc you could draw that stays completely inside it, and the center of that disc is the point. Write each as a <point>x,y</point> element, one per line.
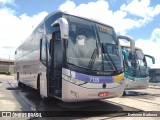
<point>13,98</point>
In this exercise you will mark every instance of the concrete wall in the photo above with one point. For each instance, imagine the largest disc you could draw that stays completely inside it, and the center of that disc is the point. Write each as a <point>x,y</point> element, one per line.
<point>7,68</point>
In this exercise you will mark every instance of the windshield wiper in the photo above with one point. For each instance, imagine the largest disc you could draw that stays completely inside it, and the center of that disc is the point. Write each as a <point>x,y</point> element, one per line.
<point>104,51</point>
<point>92,60</point>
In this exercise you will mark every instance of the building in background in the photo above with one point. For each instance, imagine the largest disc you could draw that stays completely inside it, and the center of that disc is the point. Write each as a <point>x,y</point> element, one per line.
<point>154,74</point>
<point>6,66</point>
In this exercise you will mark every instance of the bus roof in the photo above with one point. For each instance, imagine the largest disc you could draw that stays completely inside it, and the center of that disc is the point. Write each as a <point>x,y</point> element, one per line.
<point>125,45</point>
<point>76,15</point>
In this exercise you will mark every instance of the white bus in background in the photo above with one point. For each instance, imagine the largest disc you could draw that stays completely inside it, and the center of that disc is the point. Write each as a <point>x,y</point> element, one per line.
<point>71,58</point>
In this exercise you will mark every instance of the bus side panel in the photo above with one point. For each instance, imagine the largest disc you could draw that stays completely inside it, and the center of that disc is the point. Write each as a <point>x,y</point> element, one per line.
<point>29,67</point>
<point>43,80</point>
<point>28,73</point>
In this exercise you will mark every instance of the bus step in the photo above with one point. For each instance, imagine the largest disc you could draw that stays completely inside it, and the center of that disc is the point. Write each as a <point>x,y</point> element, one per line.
<point>52,86</point>
<point>58,91</point>
<point>58,97</point>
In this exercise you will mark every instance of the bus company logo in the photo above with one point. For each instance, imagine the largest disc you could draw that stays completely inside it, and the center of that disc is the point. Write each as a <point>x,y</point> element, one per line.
<point>6,114</point>
<point>103,73</point>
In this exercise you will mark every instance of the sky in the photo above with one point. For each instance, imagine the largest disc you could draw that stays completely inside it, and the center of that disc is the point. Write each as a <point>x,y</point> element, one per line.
<point>136,18</point>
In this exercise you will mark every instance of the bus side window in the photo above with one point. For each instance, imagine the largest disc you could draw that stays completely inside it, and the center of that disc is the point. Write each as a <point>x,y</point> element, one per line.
<point>50,48</point>
<point>43,51</point>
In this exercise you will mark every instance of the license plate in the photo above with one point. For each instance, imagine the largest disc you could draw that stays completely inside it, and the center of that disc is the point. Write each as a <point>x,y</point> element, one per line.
<point>103,94</point>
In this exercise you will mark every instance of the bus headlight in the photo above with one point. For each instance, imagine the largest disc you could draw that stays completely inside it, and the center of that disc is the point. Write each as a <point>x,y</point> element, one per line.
<point>74,94</point>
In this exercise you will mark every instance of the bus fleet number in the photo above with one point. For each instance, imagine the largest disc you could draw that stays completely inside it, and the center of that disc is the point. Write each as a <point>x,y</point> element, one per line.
<point>94,79</point>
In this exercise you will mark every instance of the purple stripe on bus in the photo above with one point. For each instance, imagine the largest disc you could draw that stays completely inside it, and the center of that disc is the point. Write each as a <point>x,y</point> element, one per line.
<point>94,79</point>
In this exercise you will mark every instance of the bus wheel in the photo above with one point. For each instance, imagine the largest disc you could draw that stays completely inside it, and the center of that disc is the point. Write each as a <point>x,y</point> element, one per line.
<point>19,84</point>
<point>124,93</point>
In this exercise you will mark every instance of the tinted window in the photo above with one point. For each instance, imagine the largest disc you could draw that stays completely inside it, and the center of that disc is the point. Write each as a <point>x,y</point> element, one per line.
<point>43,51</point>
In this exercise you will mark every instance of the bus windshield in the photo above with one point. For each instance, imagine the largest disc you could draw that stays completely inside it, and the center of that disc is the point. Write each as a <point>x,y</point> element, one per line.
<point>84,46</point>
<point>140,57</point>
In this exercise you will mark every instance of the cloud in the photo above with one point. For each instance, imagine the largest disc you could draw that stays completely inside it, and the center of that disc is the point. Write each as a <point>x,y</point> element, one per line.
<point>141,8</point>
<point>15,29</point>
<point>68,6</point>
<point>156,35</point>
<point>118,19</point>
<point>4,2</point>
<point>151,46</point>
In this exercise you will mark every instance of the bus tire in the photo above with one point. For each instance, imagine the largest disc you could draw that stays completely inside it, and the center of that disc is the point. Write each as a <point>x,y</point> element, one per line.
<point>124,93</point>
<point>38,84</point>
<point>19,84</point>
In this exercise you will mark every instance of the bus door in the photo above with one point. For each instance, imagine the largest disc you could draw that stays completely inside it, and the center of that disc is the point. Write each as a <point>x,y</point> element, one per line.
<point>56,63</point>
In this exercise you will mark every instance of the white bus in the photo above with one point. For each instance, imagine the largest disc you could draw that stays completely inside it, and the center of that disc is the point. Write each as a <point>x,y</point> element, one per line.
<point>71,58</point>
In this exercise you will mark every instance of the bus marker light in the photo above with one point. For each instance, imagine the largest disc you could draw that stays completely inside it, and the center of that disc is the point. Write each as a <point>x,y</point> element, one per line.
<point>103,94</point>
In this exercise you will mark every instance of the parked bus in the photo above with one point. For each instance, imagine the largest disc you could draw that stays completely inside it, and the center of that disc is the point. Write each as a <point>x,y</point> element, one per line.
<point>71,58</point>
<point>154,73</point>
<point>136,68</point>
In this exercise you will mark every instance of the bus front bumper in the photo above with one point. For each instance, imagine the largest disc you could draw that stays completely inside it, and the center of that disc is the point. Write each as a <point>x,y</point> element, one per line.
<point>137,83</point>
<point>74,93</point>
